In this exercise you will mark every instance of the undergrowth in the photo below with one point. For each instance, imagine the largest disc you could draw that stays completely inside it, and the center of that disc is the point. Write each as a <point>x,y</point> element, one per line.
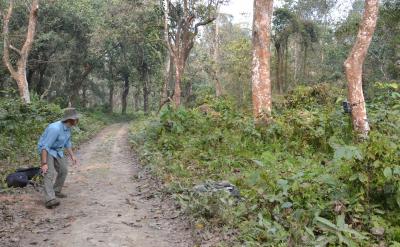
<point>305,180</point>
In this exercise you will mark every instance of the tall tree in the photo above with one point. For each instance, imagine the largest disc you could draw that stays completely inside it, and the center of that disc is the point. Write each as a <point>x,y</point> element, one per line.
<point>182,22</point>
<point>19,74</point>
<point>354,66</point>
<point>261,81</point>
<point>169,62</point>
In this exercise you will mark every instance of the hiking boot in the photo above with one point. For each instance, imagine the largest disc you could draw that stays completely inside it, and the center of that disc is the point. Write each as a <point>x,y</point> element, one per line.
<point>60,195</point>
<point>52,203</point>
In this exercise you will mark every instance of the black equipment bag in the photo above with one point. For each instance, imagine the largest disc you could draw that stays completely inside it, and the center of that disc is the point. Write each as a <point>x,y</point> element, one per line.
<point>30,172</point>
<point>22,176</point>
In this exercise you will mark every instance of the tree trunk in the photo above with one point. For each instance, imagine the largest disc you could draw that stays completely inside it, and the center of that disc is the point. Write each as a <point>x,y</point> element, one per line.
<point>111,98</point>
<point>84,97</point>
<point>282,70</point>
<point>182,43</point>
<point>111,86</point>
<point>2,86</point>
<point>286,69</point>
<point>277,69</point>
<point>146,91</point>
<point>23,87</point>
<point>125,92</point>
<point>354,66</point>
<point>305,56</point>
<point>19,74</point>
<point>261,77</point>
<point>164,92</point>
<point>178,80</point>
<point>29,75</point>
<point>40,85</point>
<point>111,89</point>
<point>189,92</point>
<point>218,87</point>
<point>136,100</point>
<point>296,59</point>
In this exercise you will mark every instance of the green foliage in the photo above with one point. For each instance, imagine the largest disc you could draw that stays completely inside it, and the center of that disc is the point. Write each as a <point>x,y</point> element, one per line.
<point>311,97</point>
<point>304,179</point>
<point>19,125</point>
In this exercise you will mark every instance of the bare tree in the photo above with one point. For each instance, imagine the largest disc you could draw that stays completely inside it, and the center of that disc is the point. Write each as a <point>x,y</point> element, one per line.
<point>181,24</point>
<point>261,76</point>
<point>19,74</point>
<point>354,66</point>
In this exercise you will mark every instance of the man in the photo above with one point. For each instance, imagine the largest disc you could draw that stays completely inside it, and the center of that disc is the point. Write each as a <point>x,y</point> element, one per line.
<point>52,143</point>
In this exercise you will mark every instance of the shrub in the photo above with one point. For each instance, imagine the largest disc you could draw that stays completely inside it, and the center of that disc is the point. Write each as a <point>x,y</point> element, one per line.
<point>305,180</point>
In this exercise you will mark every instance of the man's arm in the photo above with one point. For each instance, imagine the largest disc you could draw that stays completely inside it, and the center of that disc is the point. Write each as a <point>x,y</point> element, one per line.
<point>68,147</point>
<point>43,161</point>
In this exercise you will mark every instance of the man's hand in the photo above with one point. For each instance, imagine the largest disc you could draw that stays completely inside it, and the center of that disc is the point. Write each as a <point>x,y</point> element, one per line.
<point>44,168</point>
<point>75,162</point>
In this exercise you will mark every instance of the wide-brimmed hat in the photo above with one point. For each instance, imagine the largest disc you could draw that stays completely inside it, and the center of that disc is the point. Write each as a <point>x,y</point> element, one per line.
<point>70,113</point>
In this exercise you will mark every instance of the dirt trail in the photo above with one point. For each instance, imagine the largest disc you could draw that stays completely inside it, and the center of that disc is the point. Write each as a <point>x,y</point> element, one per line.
<point>111,202</point>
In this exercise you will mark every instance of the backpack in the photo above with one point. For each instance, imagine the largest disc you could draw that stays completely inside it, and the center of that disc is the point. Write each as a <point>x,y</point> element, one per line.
<point>22,177</point>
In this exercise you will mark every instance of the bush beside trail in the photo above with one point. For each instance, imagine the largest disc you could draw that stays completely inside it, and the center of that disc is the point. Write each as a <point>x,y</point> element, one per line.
<point>305,179</point>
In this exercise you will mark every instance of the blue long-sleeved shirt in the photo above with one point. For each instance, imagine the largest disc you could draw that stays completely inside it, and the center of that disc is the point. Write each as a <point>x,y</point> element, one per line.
<point>55,138</point>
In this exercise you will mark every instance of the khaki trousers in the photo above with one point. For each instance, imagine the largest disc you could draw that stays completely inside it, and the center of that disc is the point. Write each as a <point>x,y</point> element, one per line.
<point>59,167</point>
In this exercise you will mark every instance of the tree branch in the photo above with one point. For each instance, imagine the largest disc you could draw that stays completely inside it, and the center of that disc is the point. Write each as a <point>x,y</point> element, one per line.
<point>15,49</point>
<point>166,28</point>
<point>6,52</point>
<point>31,30</point>
<point>203,23</point>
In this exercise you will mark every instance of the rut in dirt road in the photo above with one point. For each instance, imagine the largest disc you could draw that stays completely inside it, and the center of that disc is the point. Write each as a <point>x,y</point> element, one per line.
<point>109,203</point>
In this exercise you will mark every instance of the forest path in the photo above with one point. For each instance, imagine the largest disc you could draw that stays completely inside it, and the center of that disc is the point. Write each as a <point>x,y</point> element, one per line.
<point>111,202</point>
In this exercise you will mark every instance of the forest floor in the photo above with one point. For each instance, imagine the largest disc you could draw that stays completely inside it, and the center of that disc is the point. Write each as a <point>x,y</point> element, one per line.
<point>112,201</point>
